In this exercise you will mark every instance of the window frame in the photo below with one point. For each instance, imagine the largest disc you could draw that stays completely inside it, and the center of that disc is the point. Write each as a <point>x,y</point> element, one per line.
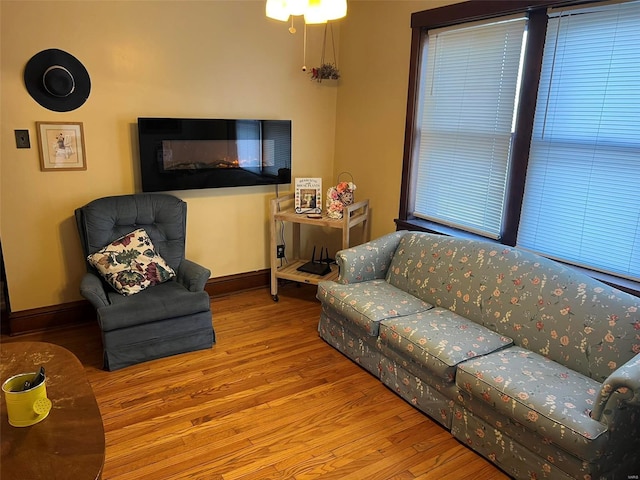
<point>469,11</point>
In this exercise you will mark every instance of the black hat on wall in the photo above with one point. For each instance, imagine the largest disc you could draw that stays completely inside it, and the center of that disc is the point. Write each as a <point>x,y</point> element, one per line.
<point>57,80</point>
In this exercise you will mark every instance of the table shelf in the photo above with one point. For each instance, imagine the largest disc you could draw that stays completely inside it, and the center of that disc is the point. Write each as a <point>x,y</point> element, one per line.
<point>282,211</point>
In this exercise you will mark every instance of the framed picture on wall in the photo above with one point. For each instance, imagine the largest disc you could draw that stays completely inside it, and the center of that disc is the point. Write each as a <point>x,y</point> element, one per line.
<point>61,146</point>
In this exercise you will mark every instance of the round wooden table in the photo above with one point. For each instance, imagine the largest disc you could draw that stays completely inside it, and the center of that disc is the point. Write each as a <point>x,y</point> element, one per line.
<point>69,443</point>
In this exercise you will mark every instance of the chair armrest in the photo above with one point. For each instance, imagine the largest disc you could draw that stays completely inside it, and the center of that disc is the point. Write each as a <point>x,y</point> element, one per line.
<point>368,261</point>
<point>92,288</point>
<point>192,275</point>
<point>626,381</point>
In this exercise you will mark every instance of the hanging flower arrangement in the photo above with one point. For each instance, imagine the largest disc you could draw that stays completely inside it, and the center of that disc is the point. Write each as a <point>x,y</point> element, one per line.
<point>339,197</point>
<point>327,70</point>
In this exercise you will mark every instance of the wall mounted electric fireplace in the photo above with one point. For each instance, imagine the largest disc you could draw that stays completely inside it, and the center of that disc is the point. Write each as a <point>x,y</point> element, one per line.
<point>186,153</point>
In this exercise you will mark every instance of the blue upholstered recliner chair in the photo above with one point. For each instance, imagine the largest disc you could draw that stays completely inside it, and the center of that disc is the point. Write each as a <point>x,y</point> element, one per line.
<point>169,315</point>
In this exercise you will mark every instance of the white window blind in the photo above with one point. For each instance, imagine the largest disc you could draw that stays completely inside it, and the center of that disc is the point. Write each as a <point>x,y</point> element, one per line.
<point>582,196</point>
<point>248,143</point>
<point>464,123</point>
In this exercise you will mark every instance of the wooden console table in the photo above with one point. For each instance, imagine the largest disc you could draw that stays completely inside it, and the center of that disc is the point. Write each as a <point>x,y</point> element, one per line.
<point>69,443</point>
<point>282,210</point>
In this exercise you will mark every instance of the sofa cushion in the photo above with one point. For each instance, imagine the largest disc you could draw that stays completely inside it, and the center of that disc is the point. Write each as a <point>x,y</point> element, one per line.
<point>130,264</point>
<point>418,369</point>
<point>439,340</point>
<point>538,393</point>
<point>367,303</point>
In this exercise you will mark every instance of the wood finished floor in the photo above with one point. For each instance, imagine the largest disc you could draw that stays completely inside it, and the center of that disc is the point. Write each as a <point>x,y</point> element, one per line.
<point>271,400</point>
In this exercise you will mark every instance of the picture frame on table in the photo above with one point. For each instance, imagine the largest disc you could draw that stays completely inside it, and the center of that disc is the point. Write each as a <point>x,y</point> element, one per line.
<point>308,195</point>
<point>61,146</point>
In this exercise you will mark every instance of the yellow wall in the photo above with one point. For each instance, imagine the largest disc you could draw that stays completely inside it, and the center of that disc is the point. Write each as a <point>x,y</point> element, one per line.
<point>375,41</point>
<point>215,59</point>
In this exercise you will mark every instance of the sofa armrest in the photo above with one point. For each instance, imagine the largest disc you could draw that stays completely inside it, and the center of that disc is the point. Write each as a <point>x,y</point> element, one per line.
<point>625,380</point>
<point>192,275</point>
<point>368,261</point>
<point>92,288</point>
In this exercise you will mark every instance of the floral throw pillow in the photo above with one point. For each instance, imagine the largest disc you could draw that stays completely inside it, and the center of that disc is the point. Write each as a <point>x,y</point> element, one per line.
<point>130,264</point>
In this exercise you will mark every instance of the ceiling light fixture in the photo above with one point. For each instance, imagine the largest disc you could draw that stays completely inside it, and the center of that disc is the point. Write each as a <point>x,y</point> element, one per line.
<point>314,11</point>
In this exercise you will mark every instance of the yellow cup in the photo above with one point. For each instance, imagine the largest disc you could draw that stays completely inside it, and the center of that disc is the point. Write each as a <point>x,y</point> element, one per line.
<point>25,407</point>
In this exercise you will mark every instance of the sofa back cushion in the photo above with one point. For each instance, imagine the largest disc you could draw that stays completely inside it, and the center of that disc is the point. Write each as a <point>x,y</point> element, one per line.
<point>544,306</point>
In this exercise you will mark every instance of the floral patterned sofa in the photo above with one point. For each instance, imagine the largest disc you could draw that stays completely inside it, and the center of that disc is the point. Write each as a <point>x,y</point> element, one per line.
<point>528,362</point>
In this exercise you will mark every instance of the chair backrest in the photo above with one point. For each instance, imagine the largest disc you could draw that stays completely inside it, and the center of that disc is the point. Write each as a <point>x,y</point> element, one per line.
<point>163,216</point>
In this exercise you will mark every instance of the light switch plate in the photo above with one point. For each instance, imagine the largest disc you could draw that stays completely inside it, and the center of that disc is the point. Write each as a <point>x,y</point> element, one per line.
<point>22,139</point>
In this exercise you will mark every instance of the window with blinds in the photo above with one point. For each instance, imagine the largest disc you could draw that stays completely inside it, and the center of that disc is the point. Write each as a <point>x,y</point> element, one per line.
<point>465,123</point>
<point>582,192</point>
<point>571,193</point>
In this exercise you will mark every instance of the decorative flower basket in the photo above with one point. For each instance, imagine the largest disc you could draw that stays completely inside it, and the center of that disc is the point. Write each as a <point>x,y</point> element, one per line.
<point>339,197</point>
<point>328,70</point>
